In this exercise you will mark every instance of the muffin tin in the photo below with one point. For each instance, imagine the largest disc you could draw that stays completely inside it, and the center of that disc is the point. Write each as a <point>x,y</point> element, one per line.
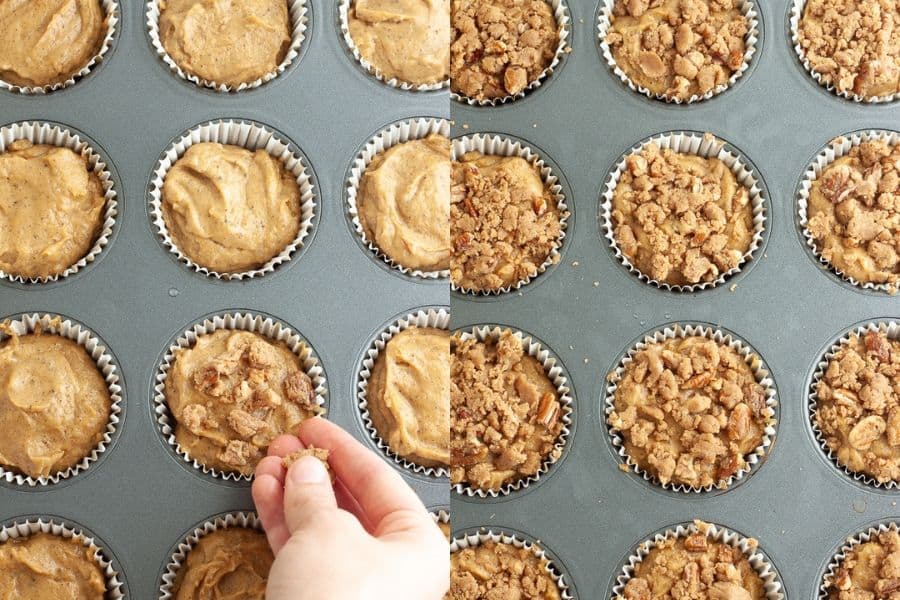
<point>139,500</point>
<point>588,310</point>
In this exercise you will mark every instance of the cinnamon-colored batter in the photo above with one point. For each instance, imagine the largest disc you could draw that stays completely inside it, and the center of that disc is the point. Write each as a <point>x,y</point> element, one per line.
<point>227,563</point>
<point>43,566</point>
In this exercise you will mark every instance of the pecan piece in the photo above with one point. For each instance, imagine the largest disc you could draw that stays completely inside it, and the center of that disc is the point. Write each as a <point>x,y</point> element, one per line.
<point>696,542</point>
<point>878,345</point>
<point>298,388</point>
<point>472,456</point>
<point>728,466</point>
<point>548,410</point>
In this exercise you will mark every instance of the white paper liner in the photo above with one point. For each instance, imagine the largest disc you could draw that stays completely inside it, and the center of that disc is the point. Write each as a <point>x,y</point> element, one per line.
<point>563,24</point>
<point>344,24</point>
<point>892,330</point>
<point>252,136</point>
<point>488,144</point>
<point>797,8</point>
<point>72,330</point>
<point>473,540</point>
<point>244,519</point>
<point>57,135</point>
<point>706,146</point>
<point>111,9</point>
<point>435,318</point>
<point>263,325</point>
<point>835,149</point>
<point>441,515</point>
<point>719,336</point>
<point>68,530</point>
<point>554,371</point>
<point>298,13</point>
<point>395,134</point>
<point>751,40</point>
<point>773,586</point>
<point>837,560</point>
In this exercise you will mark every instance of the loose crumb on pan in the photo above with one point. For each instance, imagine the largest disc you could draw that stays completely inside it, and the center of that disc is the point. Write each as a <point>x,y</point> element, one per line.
<point>319,453</point>
<point>869,570</point>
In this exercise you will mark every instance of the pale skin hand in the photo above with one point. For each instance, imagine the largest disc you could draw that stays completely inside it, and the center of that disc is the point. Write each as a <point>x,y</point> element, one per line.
<point>367,538</point>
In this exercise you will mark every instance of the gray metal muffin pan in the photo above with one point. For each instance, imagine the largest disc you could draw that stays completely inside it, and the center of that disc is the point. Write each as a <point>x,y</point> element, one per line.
<point>138,499</point>
<point>587,512</point>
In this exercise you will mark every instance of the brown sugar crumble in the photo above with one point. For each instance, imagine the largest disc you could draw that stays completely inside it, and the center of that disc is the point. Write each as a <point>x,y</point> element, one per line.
<point>679,218</point>
<point>504,221</point>
<point>505,413</point>
<point>678,48</point>
<point>500,571</point>
<point>689,411</point>
<point>499,47</point>
<point>858,406</point>
<point>694,566</point>
<point>854,213</point>
<point>319,453</point>
<point>853,44</point>
<point>869,570</point>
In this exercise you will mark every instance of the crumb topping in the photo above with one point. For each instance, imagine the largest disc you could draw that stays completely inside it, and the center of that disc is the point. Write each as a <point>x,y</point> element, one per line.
<point>504,221</point>
<point>870,570</point>
<point>854,213</point>
<point>499,47</point>
<point>319,453</point>
<point>679,218</point>
<point>858,406</point>
<point>689,411</point>
<point>505,412</point>
<point>853,44</point>
<point>678,48</point>
<point>499,571</point>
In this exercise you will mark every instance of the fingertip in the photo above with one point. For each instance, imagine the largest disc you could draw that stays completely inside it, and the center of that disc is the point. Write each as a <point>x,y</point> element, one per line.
<point>284,444</point>
<point>310,427</point>
<point>271,466</point>
<point>266,491</point>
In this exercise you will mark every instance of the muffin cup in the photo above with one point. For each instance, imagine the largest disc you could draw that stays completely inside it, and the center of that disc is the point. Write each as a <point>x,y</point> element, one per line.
<point>796,14</point>
<point>21,529</point>
<point>111,9</point>
<point>761,374</point>
<point>263,325</point>
<point>440,515</point>
<point>472,540</point>
<point>489,144</point>
<point>55,324</point>
<point>343,8</point>
<point>298,13</point>
<point>252,136</point>
<point>705,146</point>
<point>835,149</point>
<point>892,330</point>
<point>393,135</point>
<point>57,135</point>
<point>436,318</point>
<point>831,569</point>
<point>554,371</point>
<point>774,588</point>
<point>563,24</point>
<point>751,41</point>
<point>180,553</point>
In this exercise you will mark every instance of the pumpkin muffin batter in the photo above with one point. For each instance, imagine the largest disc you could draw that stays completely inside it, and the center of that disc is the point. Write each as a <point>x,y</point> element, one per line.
<point>230,209</point>
<point>409,395</point>
<point>51,209</point>
<point>694,567</point>
<point>224,41</point>
<point>404,203</point>
<point>858,406</point>
<point>678,48</point>
<point>232,393</point>
<point>679,218</point>
<point>43,42</point>
<point>43,565</point>
<point>407,40</point>
<point>500,46</point>
<point>55,399</point>
<point>689,410</point>
<point>504,222</point>
<point>853,44</point>
<point>505,413</point>
<point>854,213</point>
<point>227,563</point>
<point>499,570</point>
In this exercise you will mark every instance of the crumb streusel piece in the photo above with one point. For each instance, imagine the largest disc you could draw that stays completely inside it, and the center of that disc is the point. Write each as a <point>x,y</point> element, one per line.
<point>870,570</point>
<point>500,571</point>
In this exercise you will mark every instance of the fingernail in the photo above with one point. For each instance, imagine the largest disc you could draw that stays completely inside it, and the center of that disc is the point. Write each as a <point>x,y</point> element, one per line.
<point>308,470</point>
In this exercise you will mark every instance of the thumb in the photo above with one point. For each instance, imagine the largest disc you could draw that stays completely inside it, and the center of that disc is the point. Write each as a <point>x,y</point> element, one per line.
<point>307,492</point>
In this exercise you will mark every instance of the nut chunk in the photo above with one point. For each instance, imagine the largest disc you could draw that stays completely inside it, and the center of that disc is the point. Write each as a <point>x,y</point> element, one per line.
<point>505,413</point>
<point>858,406</point>
<point>499,571</point>
<point>869,570</point>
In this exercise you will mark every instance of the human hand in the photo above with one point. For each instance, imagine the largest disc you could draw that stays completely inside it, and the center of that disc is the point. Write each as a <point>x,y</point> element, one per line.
<point>368,537</point>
